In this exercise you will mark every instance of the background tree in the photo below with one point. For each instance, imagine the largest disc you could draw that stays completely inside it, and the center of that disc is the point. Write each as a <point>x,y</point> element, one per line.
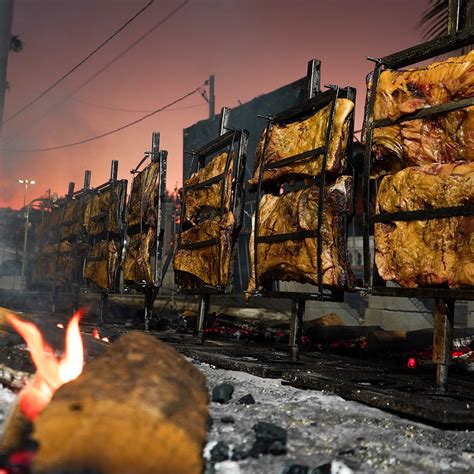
<point>16,45</point>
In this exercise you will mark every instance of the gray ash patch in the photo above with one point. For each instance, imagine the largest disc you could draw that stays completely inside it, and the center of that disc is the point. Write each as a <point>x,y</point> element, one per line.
<point>322,428</point>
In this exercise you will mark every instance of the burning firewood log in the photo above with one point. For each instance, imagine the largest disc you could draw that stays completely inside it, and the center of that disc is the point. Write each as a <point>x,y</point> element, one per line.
<point>140,407</point>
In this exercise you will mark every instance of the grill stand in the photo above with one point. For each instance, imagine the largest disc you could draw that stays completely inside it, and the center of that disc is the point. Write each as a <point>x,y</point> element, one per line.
<point>458,37</point>
<point>296,326</point>
<point>443,340</point>
<point>202,318</point>
<point>315,99</point>
<point>227,138</point>
<point>104,306</point>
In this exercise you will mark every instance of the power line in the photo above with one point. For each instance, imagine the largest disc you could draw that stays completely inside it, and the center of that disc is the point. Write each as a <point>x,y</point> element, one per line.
<point>52,86</point>
<point>117,109</point>
<point>102,135</point>
<point>101,70</point>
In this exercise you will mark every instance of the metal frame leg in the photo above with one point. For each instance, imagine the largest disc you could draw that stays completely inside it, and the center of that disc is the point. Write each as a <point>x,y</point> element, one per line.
<point>76,291</point>
<point>443,340</point>
<point>296,327</point>
<point>149,300</point>
<point>104,307</point>
<point>202,318</point>
<point>54,298</point>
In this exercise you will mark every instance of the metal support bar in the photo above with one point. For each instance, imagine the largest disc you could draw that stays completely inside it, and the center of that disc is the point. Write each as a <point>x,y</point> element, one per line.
<point>160,221</point>
<point>456,15</point>
<point>155,146</point>
<point>104,307</point>
<point>296,326</point>
<point>70,189</point>
<point>443,340</point>
<point>87,179</point>
<point>149,300</point>
<point>223,125</point>
<point>202,318</point>
<point>76,289</point>
<point>313,78</point>
<point>114,170</point>
<point>54,298</point>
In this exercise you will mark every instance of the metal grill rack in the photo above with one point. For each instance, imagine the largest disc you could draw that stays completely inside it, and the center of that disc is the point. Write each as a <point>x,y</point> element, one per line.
<point>118,192</point>
<point>77,253</point>
<point>445,297</point>
<point>315,100</point>
<point>235,143</point>
<point>151,290</point>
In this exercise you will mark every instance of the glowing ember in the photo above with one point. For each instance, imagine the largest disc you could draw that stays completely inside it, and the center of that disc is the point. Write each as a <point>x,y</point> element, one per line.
<point>52,372</point>
<point>60,325</point>
<point>411,363</point>
<point>95,333</point>
<point>105,339</point>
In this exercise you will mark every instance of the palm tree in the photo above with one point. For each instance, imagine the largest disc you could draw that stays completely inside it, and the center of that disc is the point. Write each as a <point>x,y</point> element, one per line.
<point>16,45</point>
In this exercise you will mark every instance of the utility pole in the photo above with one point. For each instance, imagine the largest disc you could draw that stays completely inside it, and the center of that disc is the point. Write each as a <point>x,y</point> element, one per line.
<point>212,97</point>
<point>6,17</point>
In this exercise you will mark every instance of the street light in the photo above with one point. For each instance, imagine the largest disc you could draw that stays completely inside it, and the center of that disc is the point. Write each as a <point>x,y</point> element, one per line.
<point>26,182</point>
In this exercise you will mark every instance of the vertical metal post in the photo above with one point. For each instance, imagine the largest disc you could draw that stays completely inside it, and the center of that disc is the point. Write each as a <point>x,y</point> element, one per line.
<point>212,97</point>
<point>114,170</point>
<point>54,298</point>
<point>25,242</point>
<point>76,289</point>
<point>160,221</point>
<point>70,189</point>
<point>456,15</point>
<point>155,146</point>
<point>296,326</point>
<point>313,78</point>
<point>443,340</point>
<point>87,179</point>
<point>223,125</point>
<point>104,307</point>
<point>148,306</point>
<point>202,317</point>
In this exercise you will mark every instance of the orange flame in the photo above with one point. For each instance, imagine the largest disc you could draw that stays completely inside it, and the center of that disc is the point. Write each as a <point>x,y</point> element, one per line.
<point>52,371</point>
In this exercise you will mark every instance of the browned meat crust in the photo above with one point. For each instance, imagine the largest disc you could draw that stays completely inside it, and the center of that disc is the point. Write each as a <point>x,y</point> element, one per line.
<point>210,265</point>
<point>298,137</point>
<point>102,273</point>
<point>297,259</point>
<point>431,252</point>
<point>207,201</point>
<point>443,138</point>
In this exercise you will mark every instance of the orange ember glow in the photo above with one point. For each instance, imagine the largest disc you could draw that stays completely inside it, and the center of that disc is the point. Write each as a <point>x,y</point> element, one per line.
<point>52,371</point>
<point>96,335</point>
<point>60,325</point>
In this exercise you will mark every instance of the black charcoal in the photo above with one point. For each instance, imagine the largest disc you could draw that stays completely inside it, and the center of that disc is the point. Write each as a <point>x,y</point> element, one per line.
<point>220,452</point>
<point>247,400</point>
<point>228,419</point>
<point>222,393</point>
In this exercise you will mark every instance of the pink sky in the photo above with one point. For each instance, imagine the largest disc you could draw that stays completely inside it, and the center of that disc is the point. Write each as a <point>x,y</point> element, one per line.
<point>252,47</point>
